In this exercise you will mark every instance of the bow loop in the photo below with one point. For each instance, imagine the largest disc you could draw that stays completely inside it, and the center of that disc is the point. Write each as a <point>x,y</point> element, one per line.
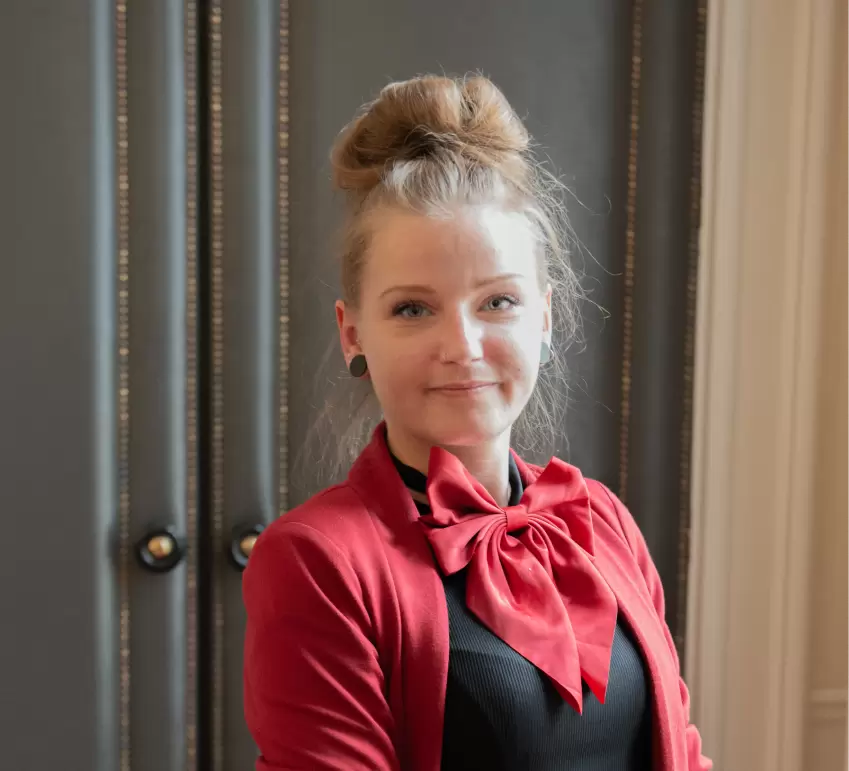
<point>538,590</point>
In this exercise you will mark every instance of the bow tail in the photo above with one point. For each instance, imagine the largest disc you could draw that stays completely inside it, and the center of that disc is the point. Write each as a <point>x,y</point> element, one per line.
<point>530,617</point>
<point>593,611</point>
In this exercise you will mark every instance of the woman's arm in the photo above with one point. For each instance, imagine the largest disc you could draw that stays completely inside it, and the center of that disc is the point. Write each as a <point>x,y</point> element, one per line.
<point>695,760</point>
<point>313,685</point>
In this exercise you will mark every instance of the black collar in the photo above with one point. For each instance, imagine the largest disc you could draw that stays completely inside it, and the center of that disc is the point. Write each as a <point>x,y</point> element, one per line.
<point>417,482</point>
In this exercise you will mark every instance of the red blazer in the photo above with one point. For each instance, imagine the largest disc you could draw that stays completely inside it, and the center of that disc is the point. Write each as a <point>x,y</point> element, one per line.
<point>346,649</point>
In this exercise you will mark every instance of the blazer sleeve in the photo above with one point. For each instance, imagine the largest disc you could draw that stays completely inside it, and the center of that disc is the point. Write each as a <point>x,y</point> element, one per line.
<point>313,685</point>
<point>696,761</point>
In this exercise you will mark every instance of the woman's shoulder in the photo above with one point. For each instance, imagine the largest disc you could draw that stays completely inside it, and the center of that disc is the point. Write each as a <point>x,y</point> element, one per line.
<point>319,557</point>
<point>614,522</point>
<point>607,506</point>
<point>334,523</point>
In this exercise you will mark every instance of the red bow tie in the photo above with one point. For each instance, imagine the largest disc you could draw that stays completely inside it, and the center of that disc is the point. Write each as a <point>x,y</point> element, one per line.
<point>531,580</point>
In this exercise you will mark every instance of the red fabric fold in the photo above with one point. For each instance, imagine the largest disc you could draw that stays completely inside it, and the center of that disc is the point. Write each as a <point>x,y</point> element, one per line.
<point>531,576</point>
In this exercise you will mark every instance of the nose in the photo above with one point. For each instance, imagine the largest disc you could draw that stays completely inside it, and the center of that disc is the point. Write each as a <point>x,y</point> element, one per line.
<point>461,339</point>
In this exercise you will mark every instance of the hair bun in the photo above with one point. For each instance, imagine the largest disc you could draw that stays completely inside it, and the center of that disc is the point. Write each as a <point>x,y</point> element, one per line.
<point>467,119</point>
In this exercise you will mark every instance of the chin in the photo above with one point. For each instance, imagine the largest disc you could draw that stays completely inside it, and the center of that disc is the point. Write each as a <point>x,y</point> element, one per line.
<point>468,430</point>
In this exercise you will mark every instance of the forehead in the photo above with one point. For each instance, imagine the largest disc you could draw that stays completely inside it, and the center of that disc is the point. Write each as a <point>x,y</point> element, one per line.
<point>469,245</point>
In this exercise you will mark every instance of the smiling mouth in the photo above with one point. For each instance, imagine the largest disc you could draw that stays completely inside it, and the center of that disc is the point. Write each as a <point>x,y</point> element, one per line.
<point>464,388</point>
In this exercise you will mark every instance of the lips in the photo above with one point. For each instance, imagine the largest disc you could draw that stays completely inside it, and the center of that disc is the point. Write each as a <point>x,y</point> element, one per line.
<point>465,387</point>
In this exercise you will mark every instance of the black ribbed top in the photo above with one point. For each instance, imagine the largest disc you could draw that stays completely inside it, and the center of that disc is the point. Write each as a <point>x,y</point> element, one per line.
<point>503,714</point>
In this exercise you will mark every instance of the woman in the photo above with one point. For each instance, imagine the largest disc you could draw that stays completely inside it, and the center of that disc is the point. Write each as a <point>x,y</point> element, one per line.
<point>449,606</point>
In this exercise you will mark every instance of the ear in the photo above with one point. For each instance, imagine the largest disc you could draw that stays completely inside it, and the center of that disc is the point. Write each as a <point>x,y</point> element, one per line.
<point>547,319</point>
<point>349,339</point>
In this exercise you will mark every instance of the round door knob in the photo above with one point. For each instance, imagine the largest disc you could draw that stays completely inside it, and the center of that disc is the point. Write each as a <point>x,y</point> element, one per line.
<point>246,545</point>
<point>161,547</point>
<point>160,550</point>
<point>242,544</point>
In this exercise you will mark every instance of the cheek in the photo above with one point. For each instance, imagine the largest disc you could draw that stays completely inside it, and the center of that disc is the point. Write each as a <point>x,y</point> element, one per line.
<point>396,364</point>
<point>516,351</point>
<point>517,361</point>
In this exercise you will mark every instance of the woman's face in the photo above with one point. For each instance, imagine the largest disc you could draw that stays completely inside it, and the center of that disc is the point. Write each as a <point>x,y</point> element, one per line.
<point>451,319</point>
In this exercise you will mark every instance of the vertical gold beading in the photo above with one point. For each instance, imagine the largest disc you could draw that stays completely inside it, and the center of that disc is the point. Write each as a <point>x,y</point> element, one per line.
<point>283,247</point>
<point>217,373</point>
<point>123,244</point>
<point>191,394</point>
<point>630,246</point>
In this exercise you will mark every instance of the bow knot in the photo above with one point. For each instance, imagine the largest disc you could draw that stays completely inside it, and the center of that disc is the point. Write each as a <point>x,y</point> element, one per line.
<point>531,576</point>
<point>517,518</point>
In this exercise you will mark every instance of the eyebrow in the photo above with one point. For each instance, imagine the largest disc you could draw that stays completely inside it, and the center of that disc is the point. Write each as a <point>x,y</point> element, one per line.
<point>424,289</point>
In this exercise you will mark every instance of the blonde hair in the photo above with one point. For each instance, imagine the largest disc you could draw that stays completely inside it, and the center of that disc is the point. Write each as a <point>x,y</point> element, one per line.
<point>428,145</point>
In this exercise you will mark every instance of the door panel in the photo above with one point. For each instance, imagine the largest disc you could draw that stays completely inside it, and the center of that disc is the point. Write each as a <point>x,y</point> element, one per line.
<point>154,217</point>
<point>654,473</point>
<point>59,609</point>
<point>246,340</point>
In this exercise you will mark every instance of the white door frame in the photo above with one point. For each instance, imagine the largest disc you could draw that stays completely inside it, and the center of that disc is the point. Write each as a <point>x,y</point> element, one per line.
<point>770,71</point>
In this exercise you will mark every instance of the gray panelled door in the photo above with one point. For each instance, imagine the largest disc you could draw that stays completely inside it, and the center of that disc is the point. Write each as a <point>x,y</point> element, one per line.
<point>167,274</point>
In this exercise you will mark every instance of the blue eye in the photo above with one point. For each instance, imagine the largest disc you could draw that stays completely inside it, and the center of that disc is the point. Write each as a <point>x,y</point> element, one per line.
<point>501,302</point>
<point>410,310</point>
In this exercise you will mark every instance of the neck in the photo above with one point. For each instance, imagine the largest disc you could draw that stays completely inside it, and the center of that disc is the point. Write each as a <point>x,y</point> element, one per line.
<point>486,462</point>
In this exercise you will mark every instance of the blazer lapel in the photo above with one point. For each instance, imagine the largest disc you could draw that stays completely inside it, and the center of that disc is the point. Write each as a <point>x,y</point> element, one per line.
<point>616,563</point>
<point>424,643</point>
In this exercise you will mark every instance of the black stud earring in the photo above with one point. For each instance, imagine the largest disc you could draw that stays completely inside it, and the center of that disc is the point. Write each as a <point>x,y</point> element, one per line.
<point>358,366</point>
<point>545,353</point>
